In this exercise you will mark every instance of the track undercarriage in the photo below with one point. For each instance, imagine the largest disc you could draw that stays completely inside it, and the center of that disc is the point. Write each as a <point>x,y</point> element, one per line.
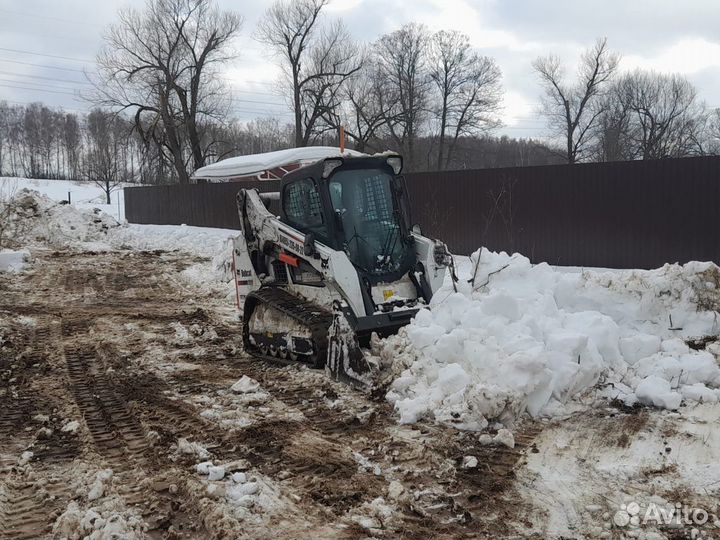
<point>281,327</point>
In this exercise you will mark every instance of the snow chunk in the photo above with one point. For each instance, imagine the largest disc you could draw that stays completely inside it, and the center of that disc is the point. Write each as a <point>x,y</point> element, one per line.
<point>505,437</point>
<point>204,467</point>
<point>639,346</point>
<point>71,427</point>
<point>98,487</point>
<point>186,447</point>
<point>245,385</point>
<point>25,458</point>
<point>13,261</point>
<point>239,477</point>
<point>654,390</point>
<point>216,473</point>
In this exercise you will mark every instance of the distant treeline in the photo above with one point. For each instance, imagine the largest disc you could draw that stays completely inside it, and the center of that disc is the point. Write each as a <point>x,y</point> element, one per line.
<point>37,141</point>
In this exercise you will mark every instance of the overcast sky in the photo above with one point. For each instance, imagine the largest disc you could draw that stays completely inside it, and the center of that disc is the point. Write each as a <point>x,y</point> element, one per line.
<point>667,35</point>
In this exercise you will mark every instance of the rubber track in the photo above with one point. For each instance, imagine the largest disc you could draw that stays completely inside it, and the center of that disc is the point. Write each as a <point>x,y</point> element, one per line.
<point>317,319</point>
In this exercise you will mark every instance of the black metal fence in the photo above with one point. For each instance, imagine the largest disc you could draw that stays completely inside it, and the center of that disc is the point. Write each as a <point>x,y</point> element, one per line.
<point>638,214</point>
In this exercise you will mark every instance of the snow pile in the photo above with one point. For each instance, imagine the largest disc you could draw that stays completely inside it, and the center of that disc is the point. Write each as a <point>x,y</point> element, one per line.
<point>13,261</point>
<point>529,338</point>
<point>86,195</point>
<point>38,218</point>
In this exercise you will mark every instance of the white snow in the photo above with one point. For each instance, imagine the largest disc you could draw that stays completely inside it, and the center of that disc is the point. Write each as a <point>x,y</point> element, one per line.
<point>505,437</point>
<point>13,261</point>
<point>67,226</point>
<point>97,489</point>
<point>204,467</point>
<point>239,477</point>
<point>245,385</point>
<point>83,195</point>
<point>258,163</point>
<point>108,521</point>
<point>71,427</point>
<point>192,448</point>
<point>216,472</point>
<point>528,338</point>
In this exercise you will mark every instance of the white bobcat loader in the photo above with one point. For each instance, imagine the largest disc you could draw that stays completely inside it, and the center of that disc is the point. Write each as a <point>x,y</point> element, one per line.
<point>339,263</point>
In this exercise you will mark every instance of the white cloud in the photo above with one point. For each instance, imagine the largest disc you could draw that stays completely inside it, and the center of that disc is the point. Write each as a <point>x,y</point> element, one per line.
<point>685,56</point>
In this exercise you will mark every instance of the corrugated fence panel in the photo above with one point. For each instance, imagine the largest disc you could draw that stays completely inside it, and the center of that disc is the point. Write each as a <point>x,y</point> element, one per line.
<point>638,214</point>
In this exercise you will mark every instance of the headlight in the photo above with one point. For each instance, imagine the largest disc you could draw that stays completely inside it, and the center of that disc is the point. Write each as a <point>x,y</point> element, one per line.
<point>330,165</point>
<point>395,163</point>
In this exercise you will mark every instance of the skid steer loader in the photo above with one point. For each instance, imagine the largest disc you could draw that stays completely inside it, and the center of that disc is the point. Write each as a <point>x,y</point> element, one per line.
<point>338,264</point>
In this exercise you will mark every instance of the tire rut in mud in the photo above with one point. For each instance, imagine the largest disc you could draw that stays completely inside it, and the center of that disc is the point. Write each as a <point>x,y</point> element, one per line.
<point>116,434</point>
<point>25,511</point>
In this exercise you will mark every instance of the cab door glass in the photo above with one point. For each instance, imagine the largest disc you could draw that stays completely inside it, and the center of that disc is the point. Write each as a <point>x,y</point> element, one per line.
<point>303,207</point>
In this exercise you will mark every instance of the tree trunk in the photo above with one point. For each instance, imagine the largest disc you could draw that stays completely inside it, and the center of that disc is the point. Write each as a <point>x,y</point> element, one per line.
<point>298,112</point>
<point>173,142</point>
<point>441,142</point>
<point>570,153</point>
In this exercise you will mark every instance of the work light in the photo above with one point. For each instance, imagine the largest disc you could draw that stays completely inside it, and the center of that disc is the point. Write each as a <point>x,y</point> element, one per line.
<point>395,163</point>
<point>330,165</point>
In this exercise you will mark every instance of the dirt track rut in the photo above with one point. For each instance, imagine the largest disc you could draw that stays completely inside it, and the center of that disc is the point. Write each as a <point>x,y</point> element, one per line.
<point>138,359</point>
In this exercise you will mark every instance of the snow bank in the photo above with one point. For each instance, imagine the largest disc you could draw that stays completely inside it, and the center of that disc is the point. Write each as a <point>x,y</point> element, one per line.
<point>38,219</point>
<point>530,338</point>
<point>84,195</point>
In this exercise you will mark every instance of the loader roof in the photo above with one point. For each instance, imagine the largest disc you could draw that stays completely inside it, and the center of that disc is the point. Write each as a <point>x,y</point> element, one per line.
<point>269,165</point>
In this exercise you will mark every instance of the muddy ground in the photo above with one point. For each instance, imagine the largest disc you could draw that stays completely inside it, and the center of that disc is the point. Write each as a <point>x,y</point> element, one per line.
<point>139,359</point>
<point>144,362</point>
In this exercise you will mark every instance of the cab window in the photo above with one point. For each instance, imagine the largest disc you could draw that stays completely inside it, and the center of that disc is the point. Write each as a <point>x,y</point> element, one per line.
<point>302,205</point>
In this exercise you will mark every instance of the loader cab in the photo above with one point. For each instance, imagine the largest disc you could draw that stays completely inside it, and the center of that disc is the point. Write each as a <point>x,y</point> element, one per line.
<point>357,205</point>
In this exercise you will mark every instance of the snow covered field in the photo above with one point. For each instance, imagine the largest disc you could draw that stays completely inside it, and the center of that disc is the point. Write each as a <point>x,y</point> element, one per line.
<point>537,401</point>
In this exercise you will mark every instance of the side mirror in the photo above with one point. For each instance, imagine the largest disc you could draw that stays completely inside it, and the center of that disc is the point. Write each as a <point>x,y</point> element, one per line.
<point>416,229</point>
<point>309,244</point>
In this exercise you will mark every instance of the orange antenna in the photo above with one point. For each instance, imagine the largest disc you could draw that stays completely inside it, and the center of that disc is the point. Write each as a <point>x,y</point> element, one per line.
<point>342,140</point>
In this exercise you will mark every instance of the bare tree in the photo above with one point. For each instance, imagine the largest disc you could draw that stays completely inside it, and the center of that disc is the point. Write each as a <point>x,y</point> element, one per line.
<point>612,129</point>
<point>103,164</point>
<point>4,132</point>
<point>666,117</point>
<point>71,140</point>
<point>361,111</point>
<point>468,87</point>
<point>572,109</point>
<point>317,60</point>
<point>713,132</point>
<point>402,60</point>
<point>161,64</point>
